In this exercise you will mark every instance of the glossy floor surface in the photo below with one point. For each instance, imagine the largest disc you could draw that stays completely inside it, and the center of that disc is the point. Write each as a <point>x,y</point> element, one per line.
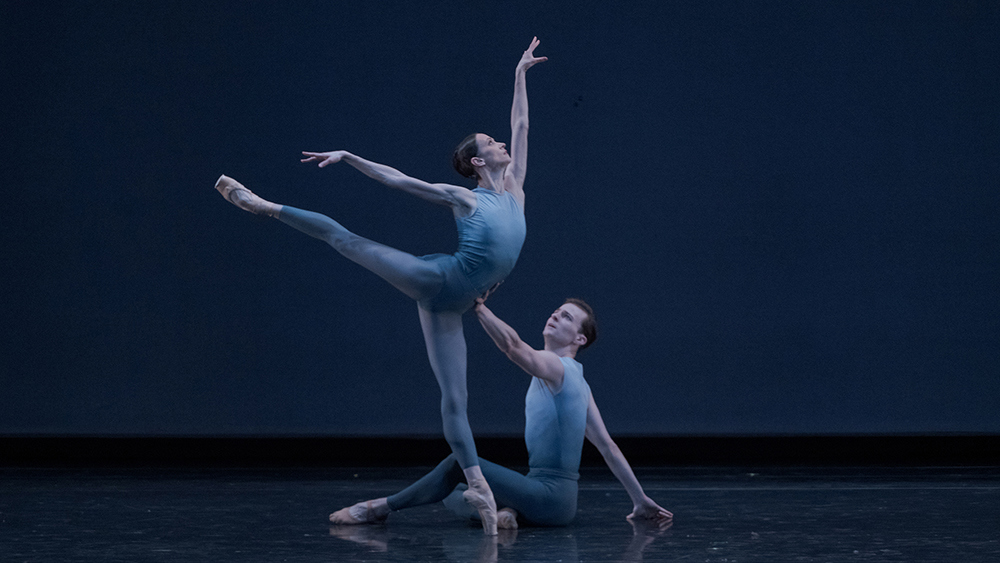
<point>721,515</point>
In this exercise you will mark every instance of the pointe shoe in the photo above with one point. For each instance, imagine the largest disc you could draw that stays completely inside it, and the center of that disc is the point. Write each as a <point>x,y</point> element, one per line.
<point>238,195</point>
<point>506,519</point>
<point>357,514</point>
<point>486,506</point>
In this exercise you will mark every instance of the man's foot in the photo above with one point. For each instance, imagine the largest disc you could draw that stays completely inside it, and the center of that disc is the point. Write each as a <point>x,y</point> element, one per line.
<point>480,497</point>
<point>368,512</point>
<point>507,519</point>
<point>237,194</point>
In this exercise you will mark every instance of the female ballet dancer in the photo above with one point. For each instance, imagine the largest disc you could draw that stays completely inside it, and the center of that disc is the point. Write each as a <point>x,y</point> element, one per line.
<point>491,230</point>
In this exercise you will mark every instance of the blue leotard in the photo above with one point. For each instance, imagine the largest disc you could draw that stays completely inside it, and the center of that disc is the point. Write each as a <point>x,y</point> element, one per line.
<point>489,242</point>
<point>555,423</point>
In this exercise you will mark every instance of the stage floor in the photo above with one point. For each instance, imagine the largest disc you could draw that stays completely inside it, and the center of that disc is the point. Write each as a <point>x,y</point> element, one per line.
<point>721,515</point>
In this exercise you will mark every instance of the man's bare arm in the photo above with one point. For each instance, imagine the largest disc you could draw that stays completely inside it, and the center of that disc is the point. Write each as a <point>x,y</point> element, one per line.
<point>642,505</point>
<point>538,363</point>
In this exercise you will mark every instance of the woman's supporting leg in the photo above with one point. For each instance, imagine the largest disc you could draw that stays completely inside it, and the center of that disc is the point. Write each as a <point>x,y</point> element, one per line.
<point>446,350</point>
<point>445,341</point>
<point>418,279</point>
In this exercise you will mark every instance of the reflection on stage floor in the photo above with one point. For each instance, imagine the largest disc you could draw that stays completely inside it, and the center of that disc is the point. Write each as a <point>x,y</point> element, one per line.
<point>721,515</point>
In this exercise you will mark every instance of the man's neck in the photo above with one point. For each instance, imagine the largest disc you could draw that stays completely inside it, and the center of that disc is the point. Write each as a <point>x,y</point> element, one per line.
<point>567,351</point>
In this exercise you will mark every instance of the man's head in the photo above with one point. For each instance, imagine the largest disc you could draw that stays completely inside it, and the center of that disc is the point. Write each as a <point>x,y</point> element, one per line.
<point>573,323</point>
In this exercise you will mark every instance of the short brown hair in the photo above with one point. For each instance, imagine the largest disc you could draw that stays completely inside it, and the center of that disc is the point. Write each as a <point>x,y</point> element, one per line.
<point>464,152</point>
<point>588,327</point>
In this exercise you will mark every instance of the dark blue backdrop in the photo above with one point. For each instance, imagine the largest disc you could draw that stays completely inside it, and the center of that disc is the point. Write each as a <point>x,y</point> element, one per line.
<point>785,213</point>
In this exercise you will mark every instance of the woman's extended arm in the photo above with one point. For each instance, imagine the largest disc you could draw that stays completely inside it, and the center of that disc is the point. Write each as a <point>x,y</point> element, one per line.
<point>642,505</point>
<point>519,120</point>
<point>460,199</point>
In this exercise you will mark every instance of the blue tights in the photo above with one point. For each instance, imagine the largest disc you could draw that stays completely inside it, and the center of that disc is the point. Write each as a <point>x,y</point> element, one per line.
<point>544,501</point>
<point>443,332</point>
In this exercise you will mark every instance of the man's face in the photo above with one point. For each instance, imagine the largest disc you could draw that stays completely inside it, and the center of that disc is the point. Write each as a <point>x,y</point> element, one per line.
<point>563,325</point>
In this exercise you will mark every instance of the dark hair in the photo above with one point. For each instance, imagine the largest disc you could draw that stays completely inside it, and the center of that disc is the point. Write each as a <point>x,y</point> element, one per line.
<point>464,152</point>
<point>588,327</point>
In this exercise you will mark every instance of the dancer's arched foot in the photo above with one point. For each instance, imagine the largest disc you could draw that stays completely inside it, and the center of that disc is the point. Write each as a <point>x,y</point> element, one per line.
<point>480,497</point>
<point>507,519</point>
<point>368,512</point>
<point>237,194</point>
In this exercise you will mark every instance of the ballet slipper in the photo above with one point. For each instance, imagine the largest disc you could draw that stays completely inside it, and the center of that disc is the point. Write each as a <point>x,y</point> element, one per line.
<point>507,519</point>
<point>238,195</point>
<point>360,513</point>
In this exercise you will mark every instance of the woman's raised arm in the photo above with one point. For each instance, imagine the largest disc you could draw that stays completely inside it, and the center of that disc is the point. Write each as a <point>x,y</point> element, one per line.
<point>519,121</point>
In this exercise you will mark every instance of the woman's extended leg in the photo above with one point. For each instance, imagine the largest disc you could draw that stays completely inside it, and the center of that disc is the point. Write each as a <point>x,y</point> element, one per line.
<point>418,279</point>
<point>446,350</point>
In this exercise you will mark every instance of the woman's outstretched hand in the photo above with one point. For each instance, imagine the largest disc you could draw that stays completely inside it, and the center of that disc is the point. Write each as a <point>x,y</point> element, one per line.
<point>528,59</point>
<point>324,158</point>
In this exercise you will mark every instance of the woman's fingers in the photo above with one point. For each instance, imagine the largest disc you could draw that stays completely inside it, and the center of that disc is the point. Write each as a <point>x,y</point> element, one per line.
<point>534,43</point>
<point>325,158</point>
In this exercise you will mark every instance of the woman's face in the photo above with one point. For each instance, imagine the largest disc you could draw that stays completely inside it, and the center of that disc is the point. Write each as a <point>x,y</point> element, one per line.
<point>492,152</point>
